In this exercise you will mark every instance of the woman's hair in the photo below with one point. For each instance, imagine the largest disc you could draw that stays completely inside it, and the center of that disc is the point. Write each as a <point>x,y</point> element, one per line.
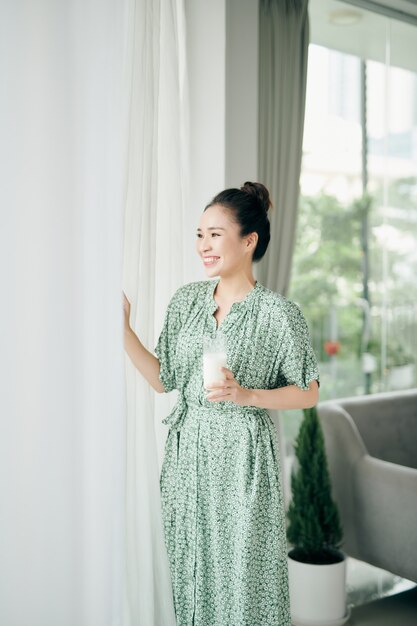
<point>249,206</point>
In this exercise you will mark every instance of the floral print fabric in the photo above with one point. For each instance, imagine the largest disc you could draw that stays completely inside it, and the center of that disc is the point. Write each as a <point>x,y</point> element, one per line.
<point>221,492</point>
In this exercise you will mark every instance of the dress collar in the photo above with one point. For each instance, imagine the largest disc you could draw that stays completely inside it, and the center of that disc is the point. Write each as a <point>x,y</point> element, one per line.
<point>212,304</point>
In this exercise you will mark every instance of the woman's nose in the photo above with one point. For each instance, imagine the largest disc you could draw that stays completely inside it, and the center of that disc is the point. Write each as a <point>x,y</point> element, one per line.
<point>205,244</point>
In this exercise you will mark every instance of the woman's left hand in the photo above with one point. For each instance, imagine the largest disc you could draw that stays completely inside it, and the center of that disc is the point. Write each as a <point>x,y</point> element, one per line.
<point>229,389</point>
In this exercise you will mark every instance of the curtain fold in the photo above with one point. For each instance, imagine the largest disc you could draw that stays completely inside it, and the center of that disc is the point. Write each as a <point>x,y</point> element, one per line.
<point>283,56</point>
<point>283,53</point>
<point>156,196</point>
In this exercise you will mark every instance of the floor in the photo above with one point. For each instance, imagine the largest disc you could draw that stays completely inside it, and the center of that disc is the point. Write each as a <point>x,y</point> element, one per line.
<point>396,610</point>
<point>378,598</point>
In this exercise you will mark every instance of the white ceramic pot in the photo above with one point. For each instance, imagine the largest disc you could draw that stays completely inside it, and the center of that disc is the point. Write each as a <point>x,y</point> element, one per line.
<point>317,593</point>
<point>401,376</point>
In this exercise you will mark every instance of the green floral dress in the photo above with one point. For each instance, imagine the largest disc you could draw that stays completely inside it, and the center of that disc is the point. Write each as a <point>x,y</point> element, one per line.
<point>221,493</point>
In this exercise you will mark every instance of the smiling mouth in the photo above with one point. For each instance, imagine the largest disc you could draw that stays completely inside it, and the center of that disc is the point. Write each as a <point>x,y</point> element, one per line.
<point>211,260</point>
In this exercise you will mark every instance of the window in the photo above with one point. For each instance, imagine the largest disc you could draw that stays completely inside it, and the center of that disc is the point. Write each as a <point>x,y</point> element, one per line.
<point>355,261</point>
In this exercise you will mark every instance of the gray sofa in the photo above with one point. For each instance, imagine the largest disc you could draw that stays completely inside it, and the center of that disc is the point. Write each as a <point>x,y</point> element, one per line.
<point>371,447</point>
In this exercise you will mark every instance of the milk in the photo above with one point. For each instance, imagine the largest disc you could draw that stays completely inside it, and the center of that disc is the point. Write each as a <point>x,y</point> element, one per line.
<point>212,364</point>
<point>214,357</point>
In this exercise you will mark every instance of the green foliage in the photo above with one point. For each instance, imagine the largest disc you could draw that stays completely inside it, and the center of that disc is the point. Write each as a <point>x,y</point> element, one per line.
<point>397,353</point>
<point>327,269</point>
<point>327,265</point>
<point>393,274</point>
<point>327,261</point>
<point>314,523</point>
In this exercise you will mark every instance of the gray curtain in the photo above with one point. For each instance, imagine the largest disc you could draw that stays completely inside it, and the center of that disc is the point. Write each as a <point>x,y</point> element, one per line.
<point>283,52</point>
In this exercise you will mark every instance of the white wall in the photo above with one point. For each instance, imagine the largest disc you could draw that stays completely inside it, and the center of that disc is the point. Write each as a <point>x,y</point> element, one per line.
<point>241,91</point>
<point>206,51</point>
<point>222,47</point>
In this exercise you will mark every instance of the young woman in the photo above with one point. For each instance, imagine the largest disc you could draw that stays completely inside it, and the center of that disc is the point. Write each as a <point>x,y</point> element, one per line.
<point>221,491</point>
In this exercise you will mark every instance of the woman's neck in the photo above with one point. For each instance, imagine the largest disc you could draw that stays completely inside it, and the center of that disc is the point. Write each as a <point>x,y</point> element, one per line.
<point>234,288</point>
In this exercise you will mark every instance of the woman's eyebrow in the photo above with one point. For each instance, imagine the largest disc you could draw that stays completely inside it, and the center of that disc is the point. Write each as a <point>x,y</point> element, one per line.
<point>213,228</point>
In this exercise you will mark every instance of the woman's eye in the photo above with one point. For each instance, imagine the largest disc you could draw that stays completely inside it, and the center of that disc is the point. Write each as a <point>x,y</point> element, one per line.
<point>217,235</point>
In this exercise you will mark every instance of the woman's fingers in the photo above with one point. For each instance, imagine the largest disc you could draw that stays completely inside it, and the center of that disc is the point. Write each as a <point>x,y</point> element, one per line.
<point>228,373</point>
<point>126,310</point>
<point>126,305</point>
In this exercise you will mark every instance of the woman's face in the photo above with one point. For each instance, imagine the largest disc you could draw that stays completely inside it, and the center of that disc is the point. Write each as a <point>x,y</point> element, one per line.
<point>219,245</point>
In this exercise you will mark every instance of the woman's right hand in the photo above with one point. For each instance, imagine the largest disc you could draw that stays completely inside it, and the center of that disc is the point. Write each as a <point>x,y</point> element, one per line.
<point>126,309</point>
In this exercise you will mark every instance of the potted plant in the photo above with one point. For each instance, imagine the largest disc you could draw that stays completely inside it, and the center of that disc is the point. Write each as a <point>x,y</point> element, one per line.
<point>316,564</point>
<point>399,364</point>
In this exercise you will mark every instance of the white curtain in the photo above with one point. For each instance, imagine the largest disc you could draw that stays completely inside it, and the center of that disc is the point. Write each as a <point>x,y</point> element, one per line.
<point>156,196</point>
<point>62,397</point>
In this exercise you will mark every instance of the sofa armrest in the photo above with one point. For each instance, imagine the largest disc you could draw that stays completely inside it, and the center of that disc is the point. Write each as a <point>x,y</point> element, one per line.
<point>344,448</point>
<point>385,515</point>
<point>341,434</point>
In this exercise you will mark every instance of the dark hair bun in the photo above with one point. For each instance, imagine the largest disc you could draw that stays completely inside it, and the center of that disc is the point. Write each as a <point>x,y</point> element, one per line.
<point>260,192</point>
<point>249,206</point>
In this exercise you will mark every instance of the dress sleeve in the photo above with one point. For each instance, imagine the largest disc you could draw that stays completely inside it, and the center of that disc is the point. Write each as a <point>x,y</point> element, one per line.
<point>166,345</point>
<point>296,363</point>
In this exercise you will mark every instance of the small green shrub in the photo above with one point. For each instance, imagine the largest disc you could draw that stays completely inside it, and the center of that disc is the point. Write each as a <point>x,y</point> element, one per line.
<point>314,527</point>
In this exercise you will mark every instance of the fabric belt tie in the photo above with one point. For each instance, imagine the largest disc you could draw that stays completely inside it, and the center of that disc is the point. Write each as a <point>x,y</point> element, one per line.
<point>176,418</point>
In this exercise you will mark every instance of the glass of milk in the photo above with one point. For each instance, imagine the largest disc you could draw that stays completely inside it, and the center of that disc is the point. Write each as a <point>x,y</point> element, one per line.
<point>214,357</point>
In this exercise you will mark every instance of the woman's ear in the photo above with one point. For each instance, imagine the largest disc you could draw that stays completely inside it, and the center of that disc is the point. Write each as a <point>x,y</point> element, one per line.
<point>252,240</point>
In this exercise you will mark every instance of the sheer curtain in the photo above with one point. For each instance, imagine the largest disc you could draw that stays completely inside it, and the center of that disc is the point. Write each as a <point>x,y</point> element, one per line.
<point>156,196</point>
<point>62,397</point>
<point>93,151</point>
